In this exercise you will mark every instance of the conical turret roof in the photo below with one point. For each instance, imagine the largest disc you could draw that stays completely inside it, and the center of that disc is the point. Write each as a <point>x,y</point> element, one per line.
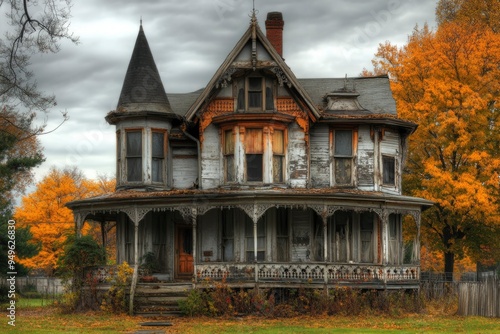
<point>142,88</point>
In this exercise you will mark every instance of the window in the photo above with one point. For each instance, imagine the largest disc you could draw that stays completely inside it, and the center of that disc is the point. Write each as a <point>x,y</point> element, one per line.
<point>282,236</point>
<point>229,155</point>
<point>158,156</point>
<point>134,156</point>
<point>261,241</point>
<point>255,94</point>
<point>388,168</point>
<point>118,155</point>
<point>342,229</point>
<point>366,222</point>
<point>343,156</point>
<point>278,156</point>
<point>394,239</point>
<point>227,237</point>
<point>253,154</point>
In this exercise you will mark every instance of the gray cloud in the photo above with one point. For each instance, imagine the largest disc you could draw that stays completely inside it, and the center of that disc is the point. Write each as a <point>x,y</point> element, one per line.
<point>189,40</point>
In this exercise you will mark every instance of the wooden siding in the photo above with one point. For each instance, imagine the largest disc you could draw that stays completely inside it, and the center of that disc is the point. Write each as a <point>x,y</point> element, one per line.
<point>184,167</point>
<point>320,156</point>
<point>297,153</point>
<point>365,162</point>
<point>210,158</point>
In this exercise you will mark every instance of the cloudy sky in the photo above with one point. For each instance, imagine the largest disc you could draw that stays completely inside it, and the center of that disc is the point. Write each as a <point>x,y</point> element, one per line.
<point>189,40</point>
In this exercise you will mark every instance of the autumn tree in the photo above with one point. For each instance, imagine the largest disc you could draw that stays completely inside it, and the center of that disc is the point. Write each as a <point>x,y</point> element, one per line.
<point>448,82</point>
<point>31,27</point>
<point>50,221</point>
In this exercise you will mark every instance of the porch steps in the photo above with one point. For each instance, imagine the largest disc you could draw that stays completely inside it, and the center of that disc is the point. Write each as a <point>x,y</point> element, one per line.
<point>160,299</point>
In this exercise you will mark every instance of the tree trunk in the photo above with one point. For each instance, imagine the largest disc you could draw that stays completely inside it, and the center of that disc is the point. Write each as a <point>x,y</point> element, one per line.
<point>449,263</point>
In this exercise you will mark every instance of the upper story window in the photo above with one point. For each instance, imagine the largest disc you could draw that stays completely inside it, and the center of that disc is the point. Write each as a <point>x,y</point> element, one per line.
<point>229,155</point>
<point>158,156</point>
<point>344,147</point>
<point>254,150</point>
<point>134,155</point>
<point>278,156</point>
<point>388,170</point>
<point>255,94</point>
<point>254,154</point>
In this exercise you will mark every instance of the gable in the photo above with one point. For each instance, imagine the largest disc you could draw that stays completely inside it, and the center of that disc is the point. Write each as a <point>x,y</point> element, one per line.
<point>252,53</point>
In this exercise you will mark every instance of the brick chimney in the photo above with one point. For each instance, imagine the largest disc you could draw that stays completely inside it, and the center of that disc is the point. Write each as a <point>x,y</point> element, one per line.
<point>274,30</point>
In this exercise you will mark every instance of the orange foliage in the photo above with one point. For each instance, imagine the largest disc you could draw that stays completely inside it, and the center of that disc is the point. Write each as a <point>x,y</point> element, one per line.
<point>448,82</point>
<point>50,221</point>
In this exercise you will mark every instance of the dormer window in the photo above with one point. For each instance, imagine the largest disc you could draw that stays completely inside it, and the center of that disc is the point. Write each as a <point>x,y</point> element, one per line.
<point>255,94</point>
<point>134,155</point>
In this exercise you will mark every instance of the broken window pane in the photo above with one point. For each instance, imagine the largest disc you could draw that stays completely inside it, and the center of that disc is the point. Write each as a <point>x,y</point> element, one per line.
<point>343,157</point>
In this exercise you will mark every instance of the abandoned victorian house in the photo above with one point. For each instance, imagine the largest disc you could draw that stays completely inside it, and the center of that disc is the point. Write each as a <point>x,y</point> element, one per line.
<point>261,178</point>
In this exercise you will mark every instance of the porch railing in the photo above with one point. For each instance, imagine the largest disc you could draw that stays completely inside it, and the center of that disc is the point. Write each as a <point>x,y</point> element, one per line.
<point>288,272</point>
<point>311,272</point>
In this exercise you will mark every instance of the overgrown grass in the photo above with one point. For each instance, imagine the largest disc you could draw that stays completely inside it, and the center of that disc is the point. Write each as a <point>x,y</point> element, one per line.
<point>52,320</point>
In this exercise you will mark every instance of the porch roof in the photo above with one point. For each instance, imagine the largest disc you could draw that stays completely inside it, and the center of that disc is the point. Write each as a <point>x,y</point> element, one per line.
<point>273,196</point>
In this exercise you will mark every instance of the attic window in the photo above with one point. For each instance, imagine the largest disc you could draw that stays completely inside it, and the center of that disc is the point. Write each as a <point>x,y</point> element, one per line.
<point>255,94</point>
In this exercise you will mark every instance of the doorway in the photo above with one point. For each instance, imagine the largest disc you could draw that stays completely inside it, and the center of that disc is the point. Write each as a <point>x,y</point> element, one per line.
<point>184,252</point>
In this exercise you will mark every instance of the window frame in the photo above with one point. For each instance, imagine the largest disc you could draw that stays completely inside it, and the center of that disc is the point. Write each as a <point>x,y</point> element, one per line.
<point>255,153</point>
<point>280,155</point>
<point>139,156</point>
<point>393,158</point>
<point>163,158</point>
<point>337,157</point>
<point>243,90</point>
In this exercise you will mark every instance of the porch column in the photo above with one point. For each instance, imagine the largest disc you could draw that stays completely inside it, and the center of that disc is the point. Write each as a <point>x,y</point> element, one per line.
<point>385,241</point>
<point>255,249</point>
<point>135,215</point>
<point>79,219</point>
<point>135,275</point>
<point>324,217</point>
<point>194,215</point>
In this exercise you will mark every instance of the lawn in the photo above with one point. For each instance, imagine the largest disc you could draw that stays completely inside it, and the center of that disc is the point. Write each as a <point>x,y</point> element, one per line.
<point>49,319</point>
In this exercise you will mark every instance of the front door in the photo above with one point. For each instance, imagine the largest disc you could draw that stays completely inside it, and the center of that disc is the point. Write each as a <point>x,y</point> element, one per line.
<point>184,252</point>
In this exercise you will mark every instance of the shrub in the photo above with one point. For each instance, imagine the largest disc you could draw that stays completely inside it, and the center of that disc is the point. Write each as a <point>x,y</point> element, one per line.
<point>115,299</point>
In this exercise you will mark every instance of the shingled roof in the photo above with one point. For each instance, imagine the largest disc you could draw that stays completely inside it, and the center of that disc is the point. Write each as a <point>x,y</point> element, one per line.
<point>142,88</point>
